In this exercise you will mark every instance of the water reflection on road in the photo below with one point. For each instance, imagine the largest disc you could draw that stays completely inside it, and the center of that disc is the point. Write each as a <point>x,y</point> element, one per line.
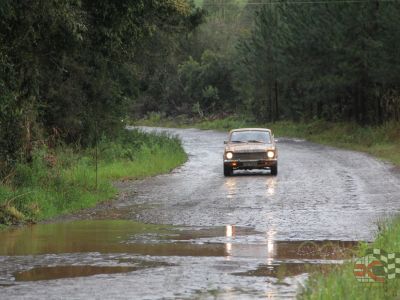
<point>270,184</point>
<point>232,186</point>
<point>111,248</point>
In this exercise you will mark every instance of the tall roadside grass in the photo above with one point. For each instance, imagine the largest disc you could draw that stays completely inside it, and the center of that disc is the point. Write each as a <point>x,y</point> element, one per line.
<point>63,180</point>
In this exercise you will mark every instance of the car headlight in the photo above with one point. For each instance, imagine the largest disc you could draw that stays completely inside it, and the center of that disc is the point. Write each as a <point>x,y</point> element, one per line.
<point>270,154</point>
<point>229,155</point>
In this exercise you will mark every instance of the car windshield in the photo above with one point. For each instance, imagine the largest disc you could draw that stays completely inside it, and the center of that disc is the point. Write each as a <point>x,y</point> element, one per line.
<point>255,136</point>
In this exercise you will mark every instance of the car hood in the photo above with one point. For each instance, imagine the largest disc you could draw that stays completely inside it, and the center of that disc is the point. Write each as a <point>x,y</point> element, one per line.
<point>249,147</point>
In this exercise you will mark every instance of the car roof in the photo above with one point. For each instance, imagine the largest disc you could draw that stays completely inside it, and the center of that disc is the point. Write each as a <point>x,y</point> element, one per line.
<point>250,129</point>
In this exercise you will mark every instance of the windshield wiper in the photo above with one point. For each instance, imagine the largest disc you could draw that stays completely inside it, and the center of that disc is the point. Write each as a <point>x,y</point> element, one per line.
<point>237,142</point>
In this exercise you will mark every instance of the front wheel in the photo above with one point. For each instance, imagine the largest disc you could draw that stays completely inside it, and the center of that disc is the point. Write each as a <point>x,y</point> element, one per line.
<point>274,170</point>
<point>228,171</point>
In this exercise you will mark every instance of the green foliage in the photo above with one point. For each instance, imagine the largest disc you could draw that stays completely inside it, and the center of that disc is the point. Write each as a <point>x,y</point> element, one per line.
<point>64,180</point>
<point>198,3</point>
<point>208,84</point>
<point>10,135</point>
<point>224,124</point>
<point>70,69</point>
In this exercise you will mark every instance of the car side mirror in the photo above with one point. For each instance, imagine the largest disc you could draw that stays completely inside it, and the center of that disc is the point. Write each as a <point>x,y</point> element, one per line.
<point>225,142</point>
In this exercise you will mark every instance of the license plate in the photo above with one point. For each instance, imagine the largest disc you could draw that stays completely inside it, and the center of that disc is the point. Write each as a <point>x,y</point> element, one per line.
<point>250,164</point>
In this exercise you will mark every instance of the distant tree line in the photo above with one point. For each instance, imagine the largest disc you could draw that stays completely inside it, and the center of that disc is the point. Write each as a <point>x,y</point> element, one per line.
<point>337,61</point>
<point>329,60</point>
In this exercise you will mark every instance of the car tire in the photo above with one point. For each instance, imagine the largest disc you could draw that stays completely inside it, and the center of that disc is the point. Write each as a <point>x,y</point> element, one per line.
<point>274,170</point>
<point>228,171</point>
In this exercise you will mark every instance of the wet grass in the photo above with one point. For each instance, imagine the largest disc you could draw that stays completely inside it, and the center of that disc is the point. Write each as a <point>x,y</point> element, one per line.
<point>63,180</point>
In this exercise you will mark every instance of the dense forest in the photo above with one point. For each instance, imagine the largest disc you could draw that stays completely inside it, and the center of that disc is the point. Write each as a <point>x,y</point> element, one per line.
<point>71,70</point>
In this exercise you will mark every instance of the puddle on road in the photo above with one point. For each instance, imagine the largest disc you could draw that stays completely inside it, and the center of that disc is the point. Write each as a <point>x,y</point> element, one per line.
<point>286,269</point>
<point>113,236</point>
<point>72,237</point>
<point>128,237</point>
<point>59,272</point>
<point>71,271</point>
<point>336,250</point>
<point>120,236</point>
<point>193,233</point>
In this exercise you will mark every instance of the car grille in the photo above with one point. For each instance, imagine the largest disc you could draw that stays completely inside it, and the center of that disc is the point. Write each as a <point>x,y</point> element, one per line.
<point>250,156</point>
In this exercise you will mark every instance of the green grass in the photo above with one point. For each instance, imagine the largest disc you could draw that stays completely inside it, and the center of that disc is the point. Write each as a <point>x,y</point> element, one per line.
<point>63,180</point>
<point>341,282</point>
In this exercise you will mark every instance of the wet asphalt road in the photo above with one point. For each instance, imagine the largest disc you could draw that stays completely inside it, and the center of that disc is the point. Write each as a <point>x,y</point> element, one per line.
<point>321,193</point>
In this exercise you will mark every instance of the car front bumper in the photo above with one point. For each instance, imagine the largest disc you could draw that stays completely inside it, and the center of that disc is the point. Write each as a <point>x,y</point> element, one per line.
<point>250,164</point>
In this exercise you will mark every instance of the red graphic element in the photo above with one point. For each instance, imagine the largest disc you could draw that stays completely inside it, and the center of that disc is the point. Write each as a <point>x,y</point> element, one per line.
<point>361,270</point>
